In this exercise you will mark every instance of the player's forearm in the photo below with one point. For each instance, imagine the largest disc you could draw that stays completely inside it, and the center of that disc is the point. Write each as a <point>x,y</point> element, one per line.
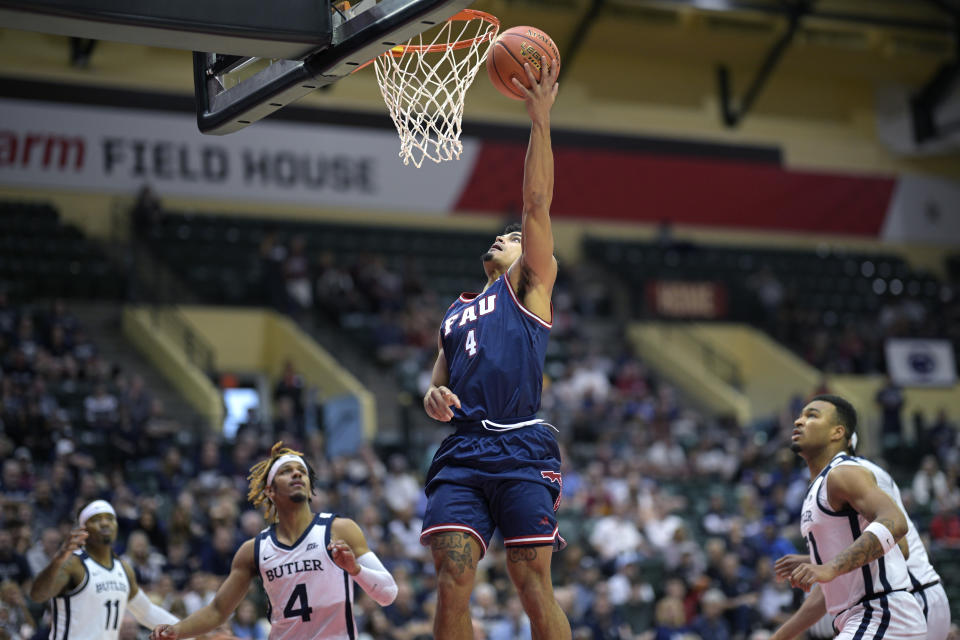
<point>45,584</point>
<point>813,608</point>
<point>201,621</point>
<point>864,550</point>
<point>538,170</point>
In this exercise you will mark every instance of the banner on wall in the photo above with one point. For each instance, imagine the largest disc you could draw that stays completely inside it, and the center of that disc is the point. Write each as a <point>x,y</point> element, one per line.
<point>684,299</point>
<point>111,150</point>
<point>108,148</point>
<point>914,362</point>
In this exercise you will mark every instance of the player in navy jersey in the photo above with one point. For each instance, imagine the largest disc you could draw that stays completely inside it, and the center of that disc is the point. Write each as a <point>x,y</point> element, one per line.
<point>307,562</point>
<point>501,468</point>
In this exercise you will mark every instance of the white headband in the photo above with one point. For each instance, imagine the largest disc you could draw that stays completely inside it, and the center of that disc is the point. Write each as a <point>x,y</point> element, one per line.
<point>280,462</point>
<point>95,508</point>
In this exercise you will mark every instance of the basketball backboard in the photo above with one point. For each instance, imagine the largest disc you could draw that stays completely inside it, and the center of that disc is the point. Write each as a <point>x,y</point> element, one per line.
<point>304,45</point>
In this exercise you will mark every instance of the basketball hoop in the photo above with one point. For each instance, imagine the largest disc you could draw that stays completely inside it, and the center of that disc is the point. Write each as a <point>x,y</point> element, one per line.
<point>424,84</point>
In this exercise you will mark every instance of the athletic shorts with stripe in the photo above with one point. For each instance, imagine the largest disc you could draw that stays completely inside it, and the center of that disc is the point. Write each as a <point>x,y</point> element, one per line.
<point>936,608</point>
<point>481,480</point>
<point>894,616</point>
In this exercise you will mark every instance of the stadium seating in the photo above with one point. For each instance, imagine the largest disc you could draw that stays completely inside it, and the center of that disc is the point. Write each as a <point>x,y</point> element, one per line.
<point>41,256</point>
<point>219,255</point>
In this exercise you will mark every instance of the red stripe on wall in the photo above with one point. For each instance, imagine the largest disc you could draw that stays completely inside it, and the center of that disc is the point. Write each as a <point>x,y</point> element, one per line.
<point>645,188</point>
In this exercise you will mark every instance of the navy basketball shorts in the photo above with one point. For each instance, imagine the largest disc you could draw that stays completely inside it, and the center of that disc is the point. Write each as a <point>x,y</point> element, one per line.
<point>482,480</point>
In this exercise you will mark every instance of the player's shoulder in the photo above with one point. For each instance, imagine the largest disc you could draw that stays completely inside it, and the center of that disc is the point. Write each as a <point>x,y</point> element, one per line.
<point>245,554</point>
<point>341,526</point>
<point>850,475</point>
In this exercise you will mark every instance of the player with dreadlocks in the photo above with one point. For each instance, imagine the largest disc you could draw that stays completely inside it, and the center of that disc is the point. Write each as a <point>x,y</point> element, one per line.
<point>305,560</point>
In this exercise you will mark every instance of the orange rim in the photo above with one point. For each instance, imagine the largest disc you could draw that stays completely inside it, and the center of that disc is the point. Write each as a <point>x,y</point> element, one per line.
<point>464,16</point>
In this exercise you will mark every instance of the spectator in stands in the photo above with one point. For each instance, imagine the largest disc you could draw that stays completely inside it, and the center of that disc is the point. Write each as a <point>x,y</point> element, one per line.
<point>941,439</point>
<point>15,617</point>
<point>736,583</point>
<point>770,543</point>
<point>890,400</point>
<point>929,483</point>
<point>718,518</point>
<point>775,599</point>
<point>290,385</point>
<point>711,622</point>
<point>273,255</point>
<point>660,523</point>
<point>217,554</point>
<point>245,625</point>
<point>670,621</point>
<point>13,565</point>
<point>147,209</point>
<point>136,402</point>
<point>945,525</point>
<point>616,536</point>
<point>770,294</point>
<point>604,620</point>
<point>9,316</point>
<point>512,625</point>
<point>146,562</point>
<point>296,276</point>
<point>41,553</point>
<point>100,409</point>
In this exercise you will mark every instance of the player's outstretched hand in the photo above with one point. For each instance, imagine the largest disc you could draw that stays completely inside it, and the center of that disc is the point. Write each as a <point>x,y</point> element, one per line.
<point>163,632</point>
<point>806,575</point>
<point>73,542</point>
<point>540,96</point>
<point>785,565</point>
<point>343,556</point>
<point>438,401</point>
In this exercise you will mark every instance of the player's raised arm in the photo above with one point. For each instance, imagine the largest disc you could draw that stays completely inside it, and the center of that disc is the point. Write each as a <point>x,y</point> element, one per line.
<point>537,258</point>
<point>64,569</point>
<point>225,602</point>
<point>858,488</point>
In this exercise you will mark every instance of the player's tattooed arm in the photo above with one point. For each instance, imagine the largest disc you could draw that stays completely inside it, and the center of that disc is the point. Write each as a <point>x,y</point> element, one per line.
<point>455,551</point>
<point>856,487</point>
<point>864,549</point>
<point>64,571</point>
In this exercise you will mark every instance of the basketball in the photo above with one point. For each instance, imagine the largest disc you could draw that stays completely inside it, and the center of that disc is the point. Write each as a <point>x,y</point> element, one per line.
<point>511,50</point>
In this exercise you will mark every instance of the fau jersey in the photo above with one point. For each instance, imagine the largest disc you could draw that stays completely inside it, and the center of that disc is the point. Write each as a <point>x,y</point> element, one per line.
<point>829,532</point>
<point>310,597</point>
<point>495,350</point>
<point>93,610</point>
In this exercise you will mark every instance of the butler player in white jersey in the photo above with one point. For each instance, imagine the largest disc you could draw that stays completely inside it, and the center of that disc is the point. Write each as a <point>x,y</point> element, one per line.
<point>924,579</point>
<point>856,570</point>
<point>90,586</point>
<point>308,563</point>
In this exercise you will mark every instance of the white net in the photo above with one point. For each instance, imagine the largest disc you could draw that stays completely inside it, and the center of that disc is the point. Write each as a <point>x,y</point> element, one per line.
<point>424,84</point>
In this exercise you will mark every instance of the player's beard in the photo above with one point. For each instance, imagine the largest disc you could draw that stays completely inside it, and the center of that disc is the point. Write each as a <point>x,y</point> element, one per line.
<point>487,257</point>
<point>796,448</point>
<point>298,498</point>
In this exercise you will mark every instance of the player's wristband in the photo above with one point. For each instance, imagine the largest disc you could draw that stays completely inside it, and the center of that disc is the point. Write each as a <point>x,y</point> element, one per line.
<point>883,534</point>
